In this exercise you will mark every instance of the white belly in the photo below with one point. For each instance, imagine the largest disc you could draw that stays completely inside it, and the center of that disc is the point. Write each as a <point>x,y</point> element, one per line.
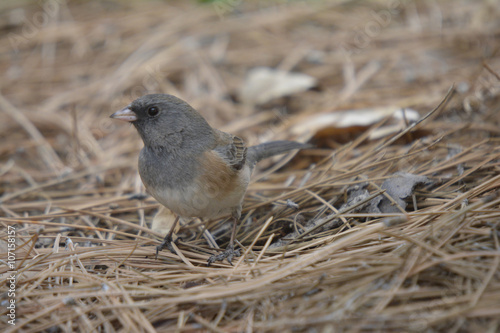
<point>201,200</point>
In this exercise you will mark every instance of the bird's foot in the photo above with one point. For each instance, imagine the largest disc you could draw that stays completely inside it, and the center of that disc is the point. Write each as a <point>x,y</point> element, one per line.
<point>228,254</point>
<point>167,242</point>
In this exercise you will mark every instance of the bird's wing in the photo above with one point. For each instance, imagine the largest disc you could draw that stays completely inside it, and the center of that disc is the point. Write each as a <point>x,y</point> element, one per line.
<point>233,150</point>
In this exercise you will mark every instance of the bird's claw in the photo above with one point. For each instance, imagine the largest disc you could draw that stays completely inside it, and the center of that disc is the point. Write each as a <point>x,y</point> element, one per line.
<point>228,254</point>
<point>167,242</point>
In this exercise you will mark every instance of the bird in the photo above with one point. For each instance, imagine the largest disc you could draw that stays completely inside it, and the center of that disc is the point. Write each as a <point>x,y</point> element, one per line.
<point>192,168</point>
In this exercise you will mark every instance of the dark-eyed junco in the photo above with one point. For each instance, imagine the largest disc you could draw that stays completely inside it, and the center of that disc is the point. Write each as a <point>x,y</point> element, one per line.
<point>190,167</point>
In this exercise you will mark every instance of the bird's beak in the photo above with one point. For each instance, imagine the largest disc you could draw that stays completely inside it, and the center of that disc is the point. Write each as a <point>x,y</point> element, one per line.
<point>125,114</point>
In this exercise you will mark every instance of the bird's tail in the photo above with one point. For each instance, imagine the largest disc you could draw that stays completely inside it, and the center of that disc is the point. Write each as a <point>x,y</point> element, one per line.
<point>268,149</point>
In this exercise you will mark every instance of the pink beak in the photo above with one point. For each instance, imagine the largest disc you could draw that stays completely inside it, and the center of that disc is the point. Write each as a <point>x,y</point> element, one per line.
<point>125,114</point>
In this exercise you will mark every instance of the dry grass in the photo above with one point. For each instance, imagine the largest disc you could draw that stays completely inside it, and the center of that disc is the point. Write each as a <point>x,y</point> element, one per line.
<point>85,251</point>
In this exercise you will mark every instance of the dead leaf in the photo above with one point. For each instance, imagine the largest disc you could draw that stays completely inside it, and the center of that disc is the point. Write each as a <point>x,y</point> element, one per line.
<point>399,188</point>
<point>263,84</point>
<point>163,221</point>
<point>356,118</point>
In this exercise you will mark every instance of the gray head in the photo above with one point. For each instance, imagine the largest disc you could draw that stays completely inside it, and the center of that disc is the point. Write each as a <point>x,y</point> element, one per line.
<point>166,122</point>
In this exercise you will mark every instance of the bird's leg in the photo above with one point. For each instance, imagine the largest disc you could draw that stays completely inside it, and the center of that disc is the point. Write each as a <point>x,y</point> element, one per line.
<point>167,241</point>
<point>230,252</point>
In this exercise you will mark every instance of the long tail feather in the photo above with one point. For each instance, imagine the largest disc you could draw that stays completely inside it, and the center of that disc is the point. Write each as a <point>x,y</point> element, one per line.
<point>268,149</point>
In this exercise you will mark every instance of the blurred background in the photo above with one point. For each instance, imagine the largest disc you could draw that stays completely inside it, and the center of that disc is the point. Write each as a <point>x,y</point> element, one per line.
<point>247,66</point>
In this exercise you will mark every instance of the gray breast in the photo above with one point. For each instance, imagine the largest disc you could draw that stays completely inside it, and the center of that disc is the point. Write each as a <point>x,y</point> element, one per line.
<point>164,170</point>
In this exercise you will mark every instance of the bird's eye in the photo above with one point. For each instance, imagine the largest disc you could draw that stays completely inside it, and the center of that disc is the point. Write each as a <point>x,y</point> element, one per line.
<point>153,111</point>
